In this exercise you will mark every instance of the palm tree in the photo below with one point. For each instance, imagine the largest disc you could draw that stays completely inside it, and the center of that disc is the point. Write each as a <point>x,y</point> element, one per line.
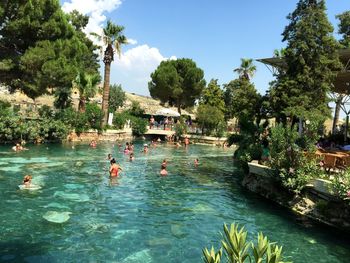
<point>87,87</point>
<point>113,38</point>
<point>246,70</point>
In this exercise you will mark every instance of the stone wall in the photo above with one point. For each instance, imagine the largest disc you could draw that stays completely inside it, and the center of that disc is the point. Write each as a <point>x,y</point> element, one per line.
<point>313,203</point>
<point>109,135</point>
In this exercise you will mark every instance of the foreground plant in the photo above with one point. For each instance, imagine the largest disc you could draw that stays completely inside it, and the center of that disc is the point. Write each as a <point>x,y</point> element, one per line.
<point>239,250</point>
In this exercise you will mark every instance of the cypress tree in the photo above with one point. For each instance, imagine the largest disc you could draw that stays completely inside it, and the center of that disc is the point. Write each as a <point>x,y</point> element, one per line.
<point>301,90</point>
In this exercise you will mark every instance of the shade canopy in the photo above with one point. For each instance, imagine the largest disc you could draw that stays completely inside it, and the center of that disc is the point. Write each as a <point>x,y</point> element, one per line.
<point>341,84</point>
<point>167,112</point>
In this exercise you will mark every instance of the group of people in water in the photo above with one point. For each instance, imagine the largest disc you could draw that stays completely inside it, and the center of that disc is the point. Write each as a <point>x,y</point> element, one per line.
<point>129,150</point>
<point>115,168</point>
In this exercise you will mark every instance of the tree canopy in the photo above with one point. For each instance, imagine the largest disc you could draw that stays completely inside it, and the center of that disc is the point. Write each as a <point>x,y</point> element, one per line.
<point>178,82</point>
<point>312,61</point>
<point>213,95</point>
<point>344,28</point>
<point>40,49</point>
<point>116,97</point>
<point>241,99</point>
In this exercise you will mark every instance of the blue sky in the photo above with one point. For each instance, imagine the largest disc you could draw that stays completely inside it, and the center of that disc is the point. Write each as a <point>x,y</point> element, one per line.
<point>215,34</point>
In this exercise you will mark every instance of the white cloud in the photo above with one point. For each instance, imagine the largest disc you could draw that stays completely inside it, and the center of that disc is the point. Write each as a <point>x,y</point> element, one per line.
<point>132,41</point>
<point>135,66</point>
<point>94,9</point>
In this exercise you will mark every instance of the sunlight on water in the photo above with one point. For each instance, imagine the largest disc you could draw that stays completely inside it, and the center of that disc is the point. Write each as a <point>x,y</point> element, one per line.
<point>80,215</point>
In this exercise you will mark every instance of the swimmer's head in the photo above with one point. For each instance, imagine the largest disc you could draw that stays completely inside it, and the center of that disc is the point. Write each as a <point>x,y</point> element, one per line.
<point>113,161</point>
<point>27,178</point>
<point>109,156</point>
<point>163,167</point>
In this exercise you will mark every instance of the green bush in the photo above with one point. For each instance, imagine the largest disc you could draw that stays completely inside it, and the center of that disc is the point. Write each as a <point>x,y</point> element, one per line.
<point>46,112</point>
<point>13,128</point>
<point>120,119</point>
<point>341,185</point>
<point>290,160</point>
<point>180,128</point>
<point>94,116</point>
<point>238,250</point>
<point>138,126</point>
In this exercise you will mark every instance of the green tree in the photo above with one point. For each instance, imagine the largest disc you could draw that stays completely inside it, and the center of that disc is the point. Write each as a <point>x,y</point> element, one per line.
<point>79,21</point>
<point>40,50</point>
<point>209,118</point>
<point>246,70</point>
<point>87,87</point>
<point>213,95</point>
<point>178,82</point>
<point>117,97</point>
<point>241,99</point>
<point>113,37</point>
<point>344,28</point>
<point>311,64</point>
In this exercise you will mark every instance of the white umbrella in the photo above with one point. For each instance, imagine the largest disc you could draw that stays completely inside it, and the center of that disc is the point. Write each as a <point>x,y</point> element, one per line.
<point>167,112</point>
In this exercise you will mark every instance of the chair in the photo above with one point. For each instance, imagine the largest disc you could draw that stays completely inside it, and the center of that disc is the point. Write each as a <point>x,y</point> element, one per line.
<point>329,162</point>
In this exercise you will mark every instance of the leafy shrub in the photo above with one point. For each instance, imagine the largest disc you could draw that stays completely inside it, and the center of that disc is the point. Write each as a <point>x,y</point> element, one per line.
<point>238,250</point>
<point>138,126</point>
<point>46,112</point>
<point>119,119</point>
<point>5,108</point>
<point>93,114</point>
<point>341,185</point>
<point>180,128</point>
<point>209,117</point>
<point>290,160</point>
<point>136,109</point>
<point>13,128</point>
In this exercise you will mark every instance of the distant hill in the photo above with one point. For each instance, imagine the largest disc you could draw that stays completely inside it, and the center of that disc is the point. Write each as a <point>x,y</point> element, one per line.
<point>147,103</point>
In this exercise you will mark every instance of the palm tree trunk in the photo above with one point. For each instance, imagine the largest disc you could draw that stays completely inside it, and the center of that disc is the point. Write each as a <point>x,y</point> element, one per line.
<point>105,97</point>
<point>81,105</point>
<point>336,113</point>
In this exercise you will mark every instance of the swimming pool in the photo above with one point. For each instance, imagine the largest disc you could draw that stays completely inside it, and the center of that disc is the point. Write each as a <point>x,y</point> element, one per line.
<point>141,217</point>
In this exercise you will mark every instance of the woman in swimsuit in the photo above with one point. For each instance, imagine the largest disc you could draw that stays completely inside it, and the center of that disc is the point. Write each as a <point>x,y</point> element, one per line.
<point>114,169</point>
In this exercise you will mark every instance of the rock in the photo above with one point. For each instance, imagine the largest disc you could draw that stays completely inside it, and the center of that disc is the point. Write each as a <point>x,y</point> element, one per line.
<point>142,256</point>
<point>57,217</point>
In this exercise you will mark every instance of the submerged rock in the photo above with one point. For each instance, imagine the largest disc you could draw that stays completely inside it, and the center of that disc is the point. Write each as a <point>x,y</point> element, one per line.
<point>57,217</point>
<point>72,196</point>
<point>176,230</point>
<point>142,256</point>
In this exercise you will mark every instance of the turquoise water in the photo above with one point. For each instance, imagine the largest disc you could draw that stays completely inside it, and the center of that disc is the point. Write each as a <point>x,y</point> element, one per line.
<point>141,217</point>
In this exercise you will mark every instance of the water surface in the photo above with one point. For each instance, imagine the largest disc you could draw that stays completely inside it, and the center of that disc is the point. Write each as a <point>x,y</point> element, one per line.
<point>141,217</point>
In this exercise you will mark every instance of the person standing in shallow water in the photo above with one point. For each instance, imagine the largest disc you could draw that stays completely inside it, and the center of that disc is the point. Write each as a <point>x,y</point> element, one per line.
<point>114,169</point>
<point>187,141</point>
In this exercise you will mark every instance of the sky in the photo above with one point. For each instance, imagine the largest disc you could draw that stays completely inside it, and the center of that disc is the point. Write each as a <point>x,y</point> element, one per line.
<point>214,34</point>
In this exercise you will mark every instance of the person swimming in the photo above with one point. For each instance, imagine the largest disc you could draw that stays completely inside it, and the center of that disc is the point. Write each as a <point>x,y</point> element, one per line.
<point>163,171</point>
<point>145,148</point>
<point>196,162</point>
<point>165,162</point>
<point>114,169</point>
<point>131,157</point>
<point>27,180</point>
<point>93,144</point>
